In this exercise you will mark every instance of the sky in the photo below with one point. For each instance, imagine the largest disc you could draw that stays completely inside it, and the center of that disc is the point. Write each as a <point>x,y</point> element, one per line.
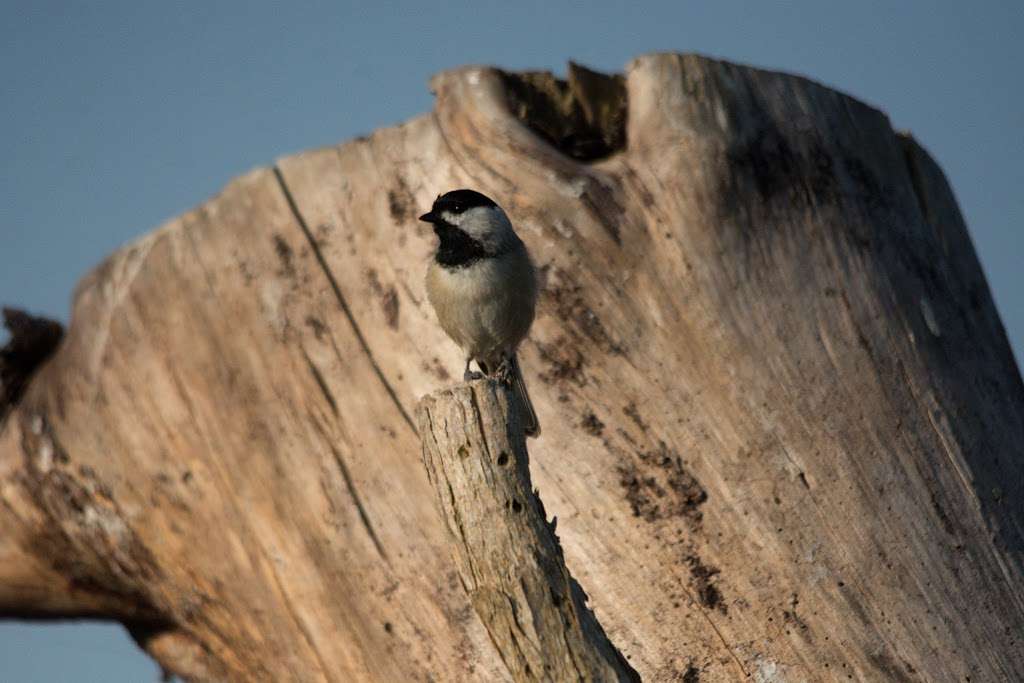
<point>116,116</point>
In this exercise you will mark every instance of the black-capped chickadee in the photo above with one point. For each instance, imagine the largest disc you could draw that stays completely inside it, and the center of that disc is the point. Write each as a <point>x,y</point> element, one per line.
<point>483,287</point>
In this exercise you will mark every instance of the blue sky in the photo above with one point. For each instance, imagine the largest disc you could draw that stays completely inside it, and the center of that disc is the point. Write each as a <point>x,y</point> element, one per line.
<point>117,116</point>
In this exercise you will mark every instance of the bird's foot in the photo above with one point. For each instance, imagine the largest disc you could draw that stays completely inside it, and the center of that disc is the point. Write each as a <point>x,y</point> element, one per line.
<point>503,373</point>
<point>470,375</point>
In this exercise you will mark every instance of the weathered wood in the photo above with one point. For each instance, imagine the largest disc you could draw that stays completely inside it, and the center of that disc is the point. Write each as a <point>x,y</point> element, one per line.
<point>783,425</point>
<point>508,557</point>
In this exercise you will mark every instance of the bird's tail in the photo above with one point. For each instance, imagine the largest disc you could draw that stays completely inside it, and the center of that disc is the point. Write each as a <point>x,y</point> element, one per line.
<point>531,427</point>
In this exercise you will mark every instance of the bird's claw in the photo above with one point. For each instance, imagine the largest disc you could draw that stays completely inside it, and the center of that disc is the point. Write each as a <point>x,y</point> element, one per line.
<point>470,375</point>
<point>503,373</point>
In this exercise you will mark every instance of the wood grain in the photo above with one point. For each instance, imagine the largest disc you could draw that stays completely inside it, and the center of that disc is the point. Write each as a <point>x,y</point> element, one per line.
<point>783,425</point>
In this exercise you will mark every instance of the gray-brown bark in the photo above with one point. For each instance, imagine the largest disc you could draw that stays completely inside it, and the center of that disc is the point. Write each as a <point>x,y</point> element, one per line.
<point>508,558</point>
<point>782,422</point>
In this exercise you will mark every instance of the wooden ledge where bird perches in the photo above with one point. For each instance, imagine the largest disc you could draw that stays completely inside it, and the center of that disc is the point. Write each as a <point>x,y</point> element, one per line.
<point>507,555</point>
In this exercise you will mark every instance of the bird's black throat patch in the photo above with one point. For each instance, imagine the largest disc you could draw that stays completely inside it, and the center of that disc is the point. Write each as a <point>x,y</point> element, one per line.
<point>457,249</point>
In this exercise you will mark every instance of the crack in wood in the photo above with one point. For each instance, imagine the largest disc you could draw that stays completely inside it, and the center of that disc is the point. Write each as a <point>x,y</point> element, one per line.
<point>321,382</point>
<point>360,508</point>
<point>346,475</point>
<point>301,625</point>
<point>339,297</point>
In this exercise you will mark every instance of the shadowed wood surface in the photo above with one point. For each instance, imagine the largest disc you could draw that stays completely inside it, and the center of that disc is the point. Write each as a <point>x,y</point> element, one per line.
<point>507,554</point>
<point>782,424</point>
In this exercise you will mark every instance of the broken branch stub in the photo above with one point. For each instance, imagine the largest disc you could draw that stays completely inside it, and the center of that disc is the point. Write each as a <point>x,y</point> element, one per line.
<point>507,555</point>
<point>32,341</point>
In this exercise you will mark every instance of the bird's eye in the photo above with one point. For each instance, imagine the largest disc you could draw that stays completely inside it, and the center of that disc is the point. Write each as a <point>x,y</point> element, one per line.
<point>458,208</point>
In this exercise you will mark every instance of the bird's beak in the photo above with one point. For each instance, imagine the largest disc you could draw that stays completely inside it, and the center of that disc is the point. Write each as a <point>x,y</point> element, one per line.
<point>429,217</point>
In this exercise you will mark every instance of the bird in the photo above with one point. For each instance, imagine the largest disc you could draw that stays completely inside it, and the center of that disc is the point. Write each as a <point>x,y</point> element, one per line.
<point>482,284</point>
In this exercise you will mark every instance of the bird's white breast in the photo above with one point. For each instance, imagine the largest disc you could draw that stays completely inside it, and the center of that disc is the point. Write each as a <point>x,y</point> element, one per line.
<point>487,306</point>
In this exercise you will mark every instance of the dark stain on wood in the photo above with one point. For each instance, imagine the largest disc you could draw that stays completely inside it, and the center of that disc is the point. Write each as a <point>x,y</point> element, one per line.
<point>564,363</point>
<point>657,486</point>
<point>388,297</point>
<point>318,327</point>
<point>704,583</point>
<point>285,256</point>
<point>401,203</point>
<point>591,424</point>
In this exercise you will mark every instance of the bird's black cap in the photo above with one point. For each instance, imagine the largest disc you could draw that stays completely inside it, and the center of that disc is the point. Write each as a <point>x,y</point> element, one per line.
<point>456,201</point>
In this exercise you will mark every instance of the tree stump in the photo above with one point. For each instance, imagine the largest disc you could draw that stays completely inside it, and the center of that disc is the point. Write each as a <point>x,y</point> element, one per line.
<point>782,423</point>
